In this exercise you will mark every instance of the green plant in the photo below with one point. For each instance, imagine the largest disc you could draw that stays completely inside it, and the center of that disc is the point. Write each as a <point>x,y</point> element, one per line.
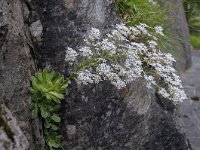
<point>133,12</point>
<point>48,89</point>
<point>195,40</point>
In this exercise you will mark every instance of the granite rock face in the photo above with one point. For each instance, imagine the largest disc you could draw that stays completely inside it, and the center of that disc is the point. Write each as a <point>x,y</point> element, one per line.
<point>99,117</point>
<point>96,117</point>
<point>11,135</point>
<point>16,67</point>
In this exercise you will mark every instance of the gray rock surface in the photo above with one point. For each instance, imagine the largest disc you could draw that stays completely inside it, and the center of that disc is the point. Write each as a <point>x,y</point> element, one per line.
<point>5,142</point>
<point>94,117</point>
<point>189,111</point>
<point>99,117</point>
<point>16,68</point>
<point>36,30</point>
<point>11,135</point>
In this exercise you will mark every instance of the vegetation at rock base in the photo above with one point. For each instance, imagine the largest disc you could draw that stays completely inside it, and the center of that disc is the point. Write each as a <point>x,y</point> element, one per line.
<point>192,10</point>
<point>48,89</point>
<point>195,40</point>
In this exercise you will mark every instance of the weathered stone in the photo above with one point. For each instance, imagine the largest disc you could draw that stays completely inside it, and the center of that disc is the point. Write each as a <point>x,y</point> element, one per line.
<point>12,137</point>
<point>5,142</point>
<point>105,118</point>
<point>36,30</point>
<point>94,117</point>
<point>16,68</point>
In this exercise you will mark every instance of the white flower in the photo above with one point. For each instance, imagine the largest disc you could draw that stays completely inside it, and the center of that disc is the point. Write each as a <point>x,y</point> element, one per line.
<point>70,55</point>
<point>108,46</point>
<point>84,77</point>
<point>149,85</point>
<point>164,93</point>
<point>178,95</point>
<point>103,68</point>
<point>150,81</point>
<point>124,56</point>
<point>85,51</point>
<point>159,30</point>
<point>169,58</point>
<point>96,78</point>
<point>119,83</point>
<point>152,44</point>
<point>153,2</point>
<point>142,27</point>
<point>123,29</point>
<point>116,35</point>
<point>94,34</point>
<point>134,31</point>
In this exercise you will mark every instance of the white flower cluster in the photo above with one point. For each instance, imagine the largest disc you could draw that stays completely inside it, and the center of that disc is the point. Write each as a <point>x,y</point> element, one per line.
<point>124,55</point>
<point>152,2</point>
<point>159,30</point>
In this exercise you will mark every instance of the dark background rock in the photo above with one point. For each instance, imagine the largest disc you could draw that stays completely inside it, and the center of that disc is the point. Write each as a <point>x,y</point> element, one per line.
<point>178,32</point>
<point>94,117</point>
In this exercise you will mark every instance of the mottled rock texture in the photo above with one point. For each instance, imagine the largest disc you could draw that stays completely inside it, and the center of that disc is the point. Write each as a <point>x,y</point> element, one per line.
<point>11,135</point>
<point>98,116</point>
<point>16,67</point>
<point>94,117</point>
<point>178,32</point>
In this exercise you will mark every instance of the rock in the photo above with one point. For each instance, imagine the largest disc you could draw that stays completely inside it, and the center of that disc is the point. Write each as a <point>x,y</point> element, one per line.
<point>36,30</point>
<point>105,118</point>
<point>71,131</point>
<point>5,142</point>
<point>16,68</point>
<point>11,135</point>
<point>189,110</point>
<point>178,32</point>
<point>133,118</point>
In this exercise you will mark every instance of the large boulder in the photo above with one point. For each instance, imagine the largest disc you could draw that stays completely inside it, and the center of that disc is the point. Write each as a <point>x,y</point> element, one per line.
<point>100,116</point>
<point>93,117</point>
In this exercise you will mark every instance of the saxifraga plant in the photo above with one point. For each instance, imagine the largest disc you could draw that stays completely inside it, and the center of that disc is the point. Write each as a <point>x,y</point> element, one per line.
<point>48,89</point>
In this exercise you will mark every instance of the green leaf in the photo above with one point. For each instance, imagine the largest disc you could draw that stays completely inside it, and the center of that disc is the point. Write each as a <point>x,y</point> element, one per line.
<point>35,112</point>
<point>54,127</point>
<point>39,77</point>
<point>56,118</point>
<point>52,143</point>
<point>64,86</point>
<point>47,124</point>
<point>59,137</point>
<point>35,83</point>
<point>44,112</point>
<point>57,100</point>
<point>58,95</point>
<point>32,90</point>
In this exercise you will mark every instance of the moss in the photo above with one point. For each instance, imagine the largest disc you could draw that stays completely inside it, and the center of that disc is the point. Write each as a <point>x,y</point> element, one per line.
<point>5,126</point>
<point>195,40</point>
